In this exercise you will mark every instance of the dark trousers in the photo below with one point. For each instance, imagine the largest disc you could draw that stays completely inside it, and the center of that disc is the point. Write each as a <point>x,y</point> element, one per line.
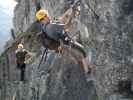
<point>22,74</point>
<point>22,71</point>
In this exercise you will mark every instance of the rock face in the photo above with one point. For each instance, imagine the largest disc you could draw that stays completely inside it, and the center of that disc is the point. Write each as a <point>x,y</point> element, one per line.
<point>63,81</point>
<point>111,44</point>
<point>105,28</point>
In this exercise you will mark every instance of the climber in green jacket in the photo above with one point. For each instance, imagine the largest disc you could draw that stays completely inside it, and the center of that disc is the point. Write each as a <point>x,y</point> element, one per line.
<point>54,35</point>
<point>21,55</point>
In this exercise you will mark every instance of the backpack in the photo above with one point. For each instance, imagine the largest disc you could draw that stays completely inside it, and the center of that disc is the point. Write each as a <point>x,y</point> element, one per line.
<point>49,38</point>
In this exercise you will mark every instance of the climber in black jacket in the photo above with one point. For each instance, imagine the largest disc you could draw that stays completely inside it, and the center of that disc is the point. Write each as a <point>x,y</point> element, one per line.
<point>21,55</point>
<point>53,35</point>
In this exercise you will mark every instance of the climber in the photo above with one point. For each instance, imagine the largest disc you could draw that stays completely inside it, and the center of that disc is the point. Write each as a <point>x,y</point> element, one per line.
<point>55,35</point>
<point>21,55</point>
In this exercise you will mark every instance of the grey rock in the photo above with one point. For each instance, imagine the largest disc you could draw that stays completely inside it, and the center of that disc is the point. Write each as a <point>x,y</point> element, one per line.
<point>105,28</point>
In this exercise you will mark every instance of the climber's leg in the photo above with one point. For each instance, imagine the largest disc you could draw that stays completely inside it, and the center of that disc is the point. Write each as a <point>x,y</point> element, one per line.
<point>18,65</point>
<point>68,52</point>
<point>77,58</point>
<point>22,73</point>
<point>84,65</point>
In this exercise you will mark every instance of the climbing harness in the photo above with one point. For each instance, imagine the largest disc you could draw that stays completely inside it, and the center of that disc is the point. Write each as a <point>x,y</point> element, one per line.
<point>44,55</point>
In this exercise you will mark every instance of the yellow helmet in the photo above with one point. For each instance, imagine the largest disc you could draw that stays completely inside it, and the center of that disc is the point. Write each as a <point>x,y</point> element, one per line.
<point>41,14</point>
<point>20,46</point>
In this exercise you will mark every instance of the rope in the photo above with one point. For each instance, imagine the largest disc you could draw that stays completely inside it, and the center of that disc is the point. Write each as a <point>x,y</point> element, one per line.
<point>44,54</point>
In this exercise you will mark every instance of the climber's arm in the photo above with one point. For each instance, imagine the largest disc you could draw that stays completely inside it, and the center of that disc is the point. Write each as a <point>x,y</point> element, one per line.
<point>66,18</point>
<point>28,55</point>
